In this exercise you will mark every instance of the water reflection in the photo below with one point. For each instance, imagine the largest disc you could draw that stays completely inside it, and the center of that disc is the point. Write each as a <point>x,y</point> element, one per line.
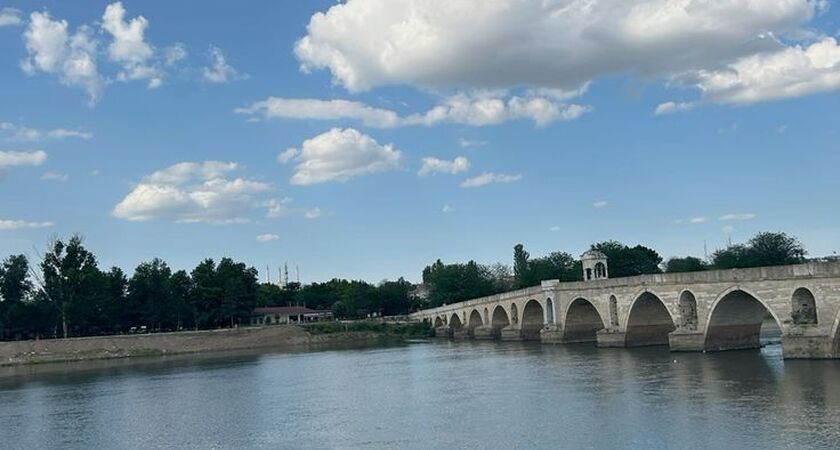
<point>429,395</point>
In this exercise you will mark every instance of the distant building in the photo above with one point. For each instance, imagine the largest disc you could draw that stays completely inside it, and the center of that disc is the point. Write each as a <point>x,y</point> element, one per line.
<point>420,291</point>
<point>274,315</point>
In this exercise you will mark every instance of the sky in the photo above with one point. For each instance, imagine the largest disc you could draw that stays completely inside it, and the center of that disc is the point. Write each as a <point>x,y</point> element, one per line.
<point>365,139</point>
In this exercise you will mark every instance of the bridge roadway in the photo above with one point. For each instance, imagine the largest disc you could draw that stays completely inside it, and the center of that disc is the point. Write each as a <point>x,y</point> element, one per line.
<point>697,311</point>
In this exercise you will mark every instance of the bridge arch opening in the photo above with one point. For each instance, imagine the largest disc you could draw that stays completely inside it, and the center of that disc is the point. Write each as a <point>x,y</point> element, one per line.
<point>438,322</point>
<point>500,318</point>
<point>582,322</point>
<point>455,322</point>
<point>613,312</point>
<point>533,318</point>
<point>475,320</point>
<point>688,311</point>
<point>739,320</point>
<point>803,307</point>
<point>649,322</point>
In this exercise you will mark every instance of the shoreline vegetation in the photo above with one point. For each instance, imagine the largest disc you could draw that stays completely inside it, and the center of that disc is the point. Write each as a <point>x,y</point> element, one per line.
<point>276,337</point>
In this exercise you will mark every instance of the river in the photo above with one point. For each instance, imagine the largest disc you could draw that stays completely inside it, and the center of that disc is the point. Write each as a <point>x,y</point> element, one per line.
<point>442,394</point>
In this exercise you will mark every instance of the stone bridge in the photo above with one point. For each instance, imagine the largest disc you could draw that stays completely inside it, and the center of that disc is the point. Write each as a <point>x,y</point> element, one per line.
<point>697,311</point>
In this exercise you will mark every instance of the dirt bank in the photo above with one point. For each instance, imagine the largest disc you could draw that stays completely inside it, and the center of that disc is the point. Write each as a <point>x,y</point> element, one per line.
<point>105,347</point>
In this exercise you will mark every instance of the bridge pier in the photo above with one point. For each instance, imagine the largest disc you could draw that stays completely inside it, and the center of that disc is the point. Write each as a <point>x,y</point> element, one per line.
<point>487,333</point>
<point>443,332</point>
<point>512,334</point>
<point>808,346</point>
<point>687,341</point>
<point>610,338</point>
<point>552,334</point>
<point>461,333</point>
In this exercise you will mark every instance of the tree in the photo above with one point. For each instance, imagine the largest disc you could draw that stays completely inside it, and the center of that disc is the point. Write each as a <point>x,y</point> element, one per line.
<point>206,295</point>
<point>238,288</point>
<point>180,289</point>
<point>149,295</point>
<point>764,249</point>
<point>627,261</point>
<point>520,266</point>
<point>449,283</point>
<point>69,271</point>
<point>15,289</point>
<point>687,264</point>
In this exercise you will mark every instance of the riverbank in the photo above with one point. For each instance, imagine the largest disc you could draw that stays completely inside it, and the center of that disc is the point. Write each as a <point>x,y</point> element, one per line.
<point>127,346</point>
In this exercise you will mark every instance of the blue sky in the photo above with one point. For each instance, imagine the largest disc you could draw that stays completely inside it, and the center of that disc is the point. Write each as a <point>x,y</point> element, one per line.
<point>274,133</point>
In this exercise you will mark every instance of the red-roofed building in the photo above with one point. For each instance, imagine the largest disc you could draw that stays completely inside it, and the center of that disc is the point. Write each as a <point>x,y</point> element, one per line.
<point>273,315</point>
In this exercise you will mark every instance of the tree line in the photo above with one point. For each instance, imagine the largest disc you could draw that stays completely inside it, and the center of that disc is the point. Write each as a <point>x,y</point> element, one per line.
<point>67,294</point>
<point>450,283</point>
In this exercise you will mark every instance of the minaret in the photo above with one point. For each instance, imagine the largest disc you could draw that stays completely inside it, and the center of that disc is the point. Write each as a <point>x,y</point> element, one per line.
<point>267,274</point>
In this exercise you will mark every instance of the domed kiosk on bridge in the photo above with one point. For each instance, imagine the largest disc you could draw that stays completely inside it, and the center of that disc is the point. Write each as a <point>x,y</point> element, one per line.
<point>594,265</point>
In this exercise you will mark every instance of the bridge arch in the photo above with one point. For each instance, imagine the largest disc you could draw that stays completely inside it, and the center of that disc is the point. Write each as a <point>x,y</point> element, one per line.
<point>582,321</point>
<point>803,307</point>
<point>649,322</point>
<point>514,314</point>
<point>438,322</point>
<point>500,318</point>
<point>735,320</point>
<point>688,310</point>
<point>475,320</point>
<point>533,317</point>
<point>455,322</point>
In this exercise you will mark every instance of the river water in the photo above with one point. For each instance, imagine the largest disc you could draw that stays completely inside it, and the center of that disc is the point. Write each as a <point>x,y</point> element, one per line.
<point>468,395</point>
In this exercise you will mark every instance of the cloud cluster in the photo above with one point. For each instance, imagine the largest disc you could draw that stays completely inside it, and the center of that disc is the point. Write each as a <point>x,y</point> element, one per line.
<point>22,133</point>
<point>489,178</point>
<point>554,43</point>
<point>28,158</point>
<point>55,176</point>
<point>6,224</point>
<point>478,109</point>
<point>435,165</point>
<point>193,192</point>
<point>265,238</point>
<point>339,155</point>
<point>73,56</point>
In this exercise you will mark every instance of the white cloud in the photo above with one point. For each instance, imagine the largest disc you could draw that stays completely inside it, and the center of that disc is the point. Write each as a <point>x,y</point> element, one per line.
<point>600,204</point>
<point>277,207</point>
<point>22,133</point>
<point>489,178</point>
<point>9,17</point>
<point>70,57</point>
<point>291,108</point>
<point>784,73</point>
<point>435,165</point>
<point>477,109</point>
<point>129,48</point>
<point>447,209</point>
<point>54,176</point>
<point>313,213</point>
<point>737,216</point>
<point>287,155</point>
<point>555,228</point>
<point>220,71</point>
<point>552,44</point>
<point>174,53</point>
<point>468,143</point>
<point>193,192</point>
<point>30,158</point>
<point>339,155</point>
<point>6,224</point>
<point>781,129</point>
<point>698,219</point>
<point>672,107</point>
<point>264,238</point>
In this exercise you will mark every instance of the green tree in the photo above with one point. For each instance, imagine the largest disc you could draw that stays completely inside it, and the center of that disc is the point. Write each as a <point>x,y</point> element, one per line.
<point>69,272</point>
<point>627,261</point>
<point>15,290</point>
<point>180,291</point>
<point>521,272</point>
<point>149,295</point>
<point>206,295</point>
<point>764,249</point>
<point>687,264</point>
